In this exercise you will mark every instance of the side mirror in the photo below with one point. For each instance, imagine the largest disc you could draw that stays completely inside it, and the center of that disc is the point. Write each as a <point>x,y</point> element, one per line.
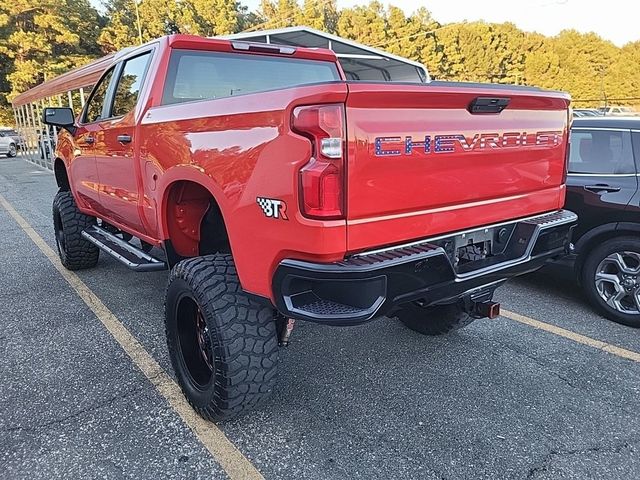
<point>60,117</point>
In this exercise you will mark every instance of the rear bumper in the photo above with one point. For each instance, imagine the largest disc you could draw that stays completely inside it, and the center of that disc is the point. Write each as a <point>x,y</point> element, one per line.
<point>375,283</point>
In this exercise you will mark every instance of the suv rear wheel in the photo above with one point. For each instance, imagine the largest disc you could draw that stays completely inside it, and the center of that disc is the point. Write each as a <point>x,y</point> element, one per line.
<point>13,151</point>
<point>611,279</point>
<point>434,320</point>
<point>223,345</point>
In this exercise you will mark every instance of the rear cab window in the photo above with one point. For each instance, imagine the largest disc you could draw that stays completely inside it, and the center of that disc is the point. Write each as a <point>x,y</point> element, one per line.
<point>200,75</point>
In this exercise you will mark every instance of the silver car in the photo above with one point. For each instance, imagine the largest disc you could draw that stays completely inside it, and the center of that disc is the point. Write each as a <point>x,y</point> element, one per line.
<point>17,137</point>
<point>7,145</point>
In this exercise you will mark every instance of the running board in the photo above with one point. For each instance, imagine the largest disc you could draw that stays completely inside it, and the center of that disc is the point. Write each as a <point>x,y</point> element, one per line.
<point>124,252</point>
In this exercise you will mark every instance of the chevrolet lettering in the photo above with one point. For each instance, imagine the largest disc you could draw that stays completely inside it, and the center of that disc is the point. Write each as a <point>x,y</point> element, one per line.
<point>407,145</point>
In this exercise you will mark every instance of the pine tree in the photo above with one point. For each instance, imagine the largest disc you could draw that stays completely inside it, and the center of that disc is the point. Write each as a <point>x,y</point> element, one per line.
<point>209,17</point>
<point>319,14</point>
<point>280,14</point>
<point>41,39</point>
<point>364,24</point>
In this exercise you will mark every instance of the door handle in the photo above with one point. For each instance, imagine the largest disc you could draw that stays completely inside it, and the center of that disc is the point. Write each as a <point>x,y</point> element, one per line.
<point>89,140</point>
<point>601,188</point>
<point>124,138</point>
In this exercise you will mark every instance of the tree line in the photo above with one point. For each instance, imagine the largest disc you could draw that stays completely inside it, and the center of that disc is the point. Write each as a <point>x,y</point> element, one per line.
<point>40,39</point>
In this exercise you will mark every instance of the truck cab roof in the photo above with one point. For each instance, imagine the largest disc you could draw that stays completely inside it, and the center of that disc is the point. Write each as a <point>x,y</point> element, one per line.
<point>195,42</point>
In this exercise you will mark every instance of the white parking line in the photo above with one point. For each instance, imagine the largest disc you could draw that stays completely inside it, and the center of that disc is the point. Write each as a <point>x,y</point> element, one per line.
<point>225,453</point>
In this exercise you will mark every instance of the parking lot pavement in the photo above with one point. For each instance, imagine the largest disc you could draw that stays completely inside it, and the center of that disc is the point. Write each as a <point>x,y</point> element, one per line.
<point>498,399</point>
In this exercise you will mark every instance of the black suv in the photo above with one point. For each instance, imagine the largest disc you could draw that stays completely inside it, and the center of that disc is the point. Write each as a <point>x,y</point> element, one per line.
<point>602,188</point>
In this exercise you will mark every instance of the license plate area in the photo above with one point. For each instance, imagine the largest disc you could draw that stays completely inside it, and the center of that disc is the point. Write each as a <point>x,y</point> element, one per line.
<point>473,250</point>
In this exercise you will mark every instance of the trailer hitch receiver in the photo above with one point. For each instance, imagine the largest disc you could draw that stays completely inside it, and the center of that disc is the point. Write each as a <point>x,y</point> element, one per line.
<point>488,309</point>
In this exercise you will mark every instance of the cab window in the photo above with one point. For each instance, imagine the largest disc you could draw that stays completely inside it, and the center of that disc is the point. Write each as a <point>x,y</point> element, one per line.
<point>95,105</point>
<point>129,85</point>
<point>201,75</point>
<point>605,152</point>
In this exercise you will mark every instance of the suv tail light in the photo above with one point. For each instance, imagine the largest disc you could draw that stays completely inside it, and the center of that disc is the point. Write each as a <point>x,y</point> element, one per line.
<point>322,178</point>
<point>567,155</point>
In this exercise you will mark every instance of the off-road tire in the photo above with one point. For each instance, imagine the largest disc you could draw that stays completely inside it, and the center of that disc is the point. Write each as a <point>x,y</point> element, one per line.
<point>434,320</point>
<point>13,151</point>
<point>75,251</point>
<point>240,338</point>
<point>591,261</point>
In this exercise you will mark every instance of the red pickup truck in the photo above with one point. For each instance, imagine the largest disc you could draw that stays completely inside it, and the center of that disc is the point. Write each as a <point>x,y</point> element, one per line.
<point>279,191</point>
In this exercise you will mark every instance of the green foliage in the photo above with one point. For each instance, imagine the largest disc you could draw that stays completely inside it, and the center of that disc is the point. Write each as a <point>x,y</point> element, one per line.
<point>279,14</point>
<point>481,52</point>
<point>6,116</point>
<point>40,39</point>
<point>161,17</point>
<point>364,24</point>
<point>43,38</point>
<point>319,14</point>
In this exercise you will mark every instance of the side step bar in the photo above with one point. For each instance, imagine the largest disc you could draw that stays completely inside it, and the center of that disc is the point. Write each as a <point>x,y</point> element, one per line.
<point>125,252</point>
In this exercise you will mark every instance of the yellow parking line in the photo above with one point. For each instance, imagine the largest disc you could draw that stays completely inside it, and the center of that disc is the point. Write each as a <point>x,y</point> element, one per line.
<point>576,337</point>
<point>234,463</point>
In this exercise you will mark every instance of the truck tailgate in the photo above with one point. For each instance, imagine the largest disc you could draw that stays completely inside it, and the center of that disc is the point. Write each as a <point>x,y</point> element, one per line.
<point>420,164</point>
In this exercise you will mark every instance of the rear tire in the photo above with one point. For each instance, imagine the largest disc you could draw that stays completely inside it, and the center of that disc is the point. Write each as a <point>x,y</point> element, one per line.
<point>602,260</point>
<point>434,320</point>
<point>223,345</point>
<point>75,251</point>
<point>13,151</point>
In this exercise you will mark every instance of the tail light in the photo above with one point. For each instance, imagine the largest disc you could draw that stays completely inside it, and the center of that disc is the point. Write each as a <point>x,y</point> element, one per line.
<point>322,178</point>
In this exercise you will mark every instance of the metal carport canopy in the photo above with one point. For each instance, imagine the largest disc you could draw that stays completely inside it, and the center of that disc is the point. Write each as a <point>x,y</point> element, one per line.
<point>72,80</point>
<point>360,62</point>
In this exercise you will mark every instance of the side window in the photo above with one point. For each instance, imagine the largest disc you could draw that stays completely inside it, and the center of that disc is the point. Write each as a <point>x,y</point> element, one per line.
<point>636,149</point>
<point>93,113</point>
<point>129,85</point>
<point>607,152</point>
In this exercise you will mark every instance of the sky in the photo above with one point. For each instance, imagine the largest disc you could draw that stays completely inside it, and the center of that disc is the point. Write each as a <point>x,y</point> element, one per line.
<point>614,20</point>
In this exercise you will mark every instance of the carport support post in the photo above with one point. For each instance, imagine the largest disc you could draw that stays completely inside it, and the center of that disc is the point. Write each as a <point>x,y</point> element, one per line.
<point>18,127</point>
<point>44,136</point>
<point>81,97</point>
<point>44,132</point>
<point>25,133</point>
<point>35,130</point>
<point>21,124</point>
<point>33,108</point>
<point>29,130</point>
